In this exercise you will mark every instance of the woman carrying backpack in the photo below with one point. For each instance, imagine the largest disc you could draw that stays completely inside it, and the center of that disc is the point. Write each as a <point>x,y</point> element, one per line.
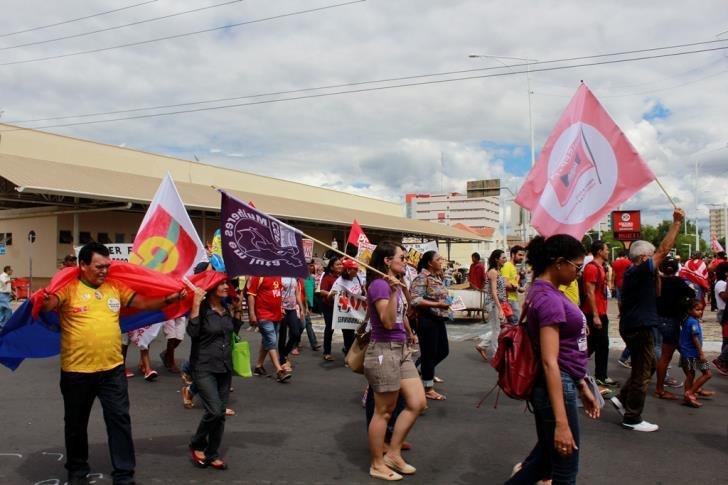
<point>558,331</point>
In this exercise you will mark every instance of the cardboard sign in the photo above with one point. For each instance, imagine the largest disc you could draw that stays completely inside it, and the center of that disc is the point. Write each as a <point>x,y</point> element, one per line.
<point>415,251</point>
<point>349,311</point>
<point>117,252</point>
<point>308,249</point>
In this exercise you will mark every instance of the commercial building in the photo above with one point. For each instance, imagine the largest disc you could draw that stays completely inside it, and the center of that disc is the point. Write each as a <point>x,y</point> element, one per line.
<point>68,191</point>
<point>718,222</point>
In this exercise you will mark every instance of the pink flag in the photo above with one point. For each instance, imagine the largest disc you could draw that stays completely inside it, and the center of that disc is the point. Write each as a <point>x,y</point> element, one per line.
<point>586,169</point>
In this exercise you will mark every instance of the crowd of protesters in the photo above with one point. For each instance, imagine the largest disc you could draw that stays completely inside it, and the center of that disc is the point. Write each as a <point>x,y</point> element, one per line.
<point>564,300</point>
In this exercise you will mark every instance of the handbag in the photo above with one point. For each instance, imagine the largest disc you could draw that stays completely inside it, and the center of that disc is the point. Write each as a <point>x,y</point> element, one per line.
<point>507,309</point>
<point>241,357</point>
<point>355,356</point>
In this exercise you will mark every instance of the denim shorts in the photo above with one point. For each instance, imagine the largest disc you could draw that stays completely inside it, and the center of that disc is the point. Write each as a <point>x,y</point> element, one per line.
<point>269,333</point>
<point>669,327</point>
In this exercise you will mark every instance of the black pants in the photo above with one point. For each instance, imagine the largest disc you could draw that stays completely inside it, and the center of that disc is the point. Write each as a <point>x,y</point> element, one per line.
<point>349,337</point>
<point>214,390</point>
<point>434,347</point>
<point>289,334</point>
<point>328,312</point>
<point>598,343</point>
<point>632,395</point>
<point>79,391</point>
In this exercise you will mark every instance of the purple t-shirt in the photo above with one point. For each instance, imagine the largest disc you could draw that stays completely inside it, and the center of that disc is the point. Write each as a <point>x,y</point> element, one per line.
<point>549,306</point>
<point>379,290</point>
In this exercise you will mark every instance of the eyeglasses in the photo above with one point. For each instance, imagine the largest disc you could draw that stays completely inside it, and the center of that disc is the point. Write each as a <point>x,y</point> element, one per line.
<point>578,267</point>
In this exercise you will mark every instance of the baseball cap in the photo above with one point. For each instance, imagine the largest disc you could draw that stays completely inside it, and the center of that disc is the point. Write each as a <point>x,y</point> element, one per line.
<point>350,264</point>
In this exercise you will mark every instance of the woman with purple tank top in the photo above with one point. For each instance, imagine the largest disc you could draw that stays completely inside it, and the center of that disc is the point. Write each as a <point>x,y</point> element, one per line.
<point>388,363</point>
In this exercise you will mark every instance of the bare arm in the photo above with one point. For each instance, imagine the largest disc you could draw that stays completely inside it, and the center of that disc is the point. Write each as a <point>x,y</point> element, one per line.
<point>141,302</point>
<point>251,310</point>
<point>50,302</point>
<point>699,346</point>
<point>493,281</point>
<point>387,309</point>
<point>591,298</point>
<point>669,241</point>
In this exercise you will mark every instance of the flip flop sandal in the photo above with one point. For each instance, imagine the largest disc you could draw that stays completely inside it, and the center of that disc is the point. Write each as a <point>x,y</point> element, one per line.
<point>692,402</point>
<point>703,393</point>
<point>435,396</point>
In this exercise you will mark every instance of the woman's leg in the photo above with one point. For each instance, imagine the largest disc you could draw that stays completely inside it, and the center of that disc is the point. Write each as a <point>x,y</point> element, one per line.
<point>384,403</point>
<point>207,387</point>
<point>443,346</point>
<point>414,397</point>
<point>217,428</point>
<point>328,331</point>
<point>494,324</point>
<point>427,335</point>
<point>283,336</point>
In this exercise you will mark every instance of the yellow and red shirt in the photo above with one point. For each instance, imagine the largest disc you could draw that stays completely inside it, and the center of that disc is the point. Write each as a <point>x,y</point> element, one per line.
<point>90,331</point>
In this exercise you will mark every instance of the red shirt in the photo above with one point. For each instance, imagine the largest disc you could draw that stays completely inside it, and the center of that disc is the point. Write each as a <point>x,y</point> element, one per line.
<point>267,293</point>
<point>594,273</point>
<point>476,276</point>
<point>327,282</point>
<point>619,266</point>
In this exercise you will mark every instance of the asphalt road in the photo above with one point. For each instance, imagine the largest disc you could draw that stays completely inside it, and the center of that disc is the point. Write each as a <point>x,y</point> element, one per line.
<point>311,431</point>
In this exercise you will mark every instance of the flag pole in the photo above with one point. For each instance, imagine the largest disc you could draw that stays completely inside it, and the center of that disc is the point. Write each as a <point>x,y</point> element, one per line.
<point>342,253</point>
<point>665,191</point>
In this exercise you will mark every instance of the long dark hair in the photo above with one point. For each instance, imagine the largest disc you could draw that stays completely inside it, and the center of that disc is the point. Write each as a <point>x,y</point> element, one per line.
<point>330,266</point>
<point>425,260</point>
<point>543,252</point>
<point>385,249</point>
<point>493,259</point>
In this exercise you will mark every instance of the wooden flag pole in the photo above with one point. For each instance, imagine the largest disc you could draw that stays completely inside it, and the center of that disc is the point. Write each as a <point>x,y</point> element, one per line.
<point>665,191</point>
<point>342,253</point>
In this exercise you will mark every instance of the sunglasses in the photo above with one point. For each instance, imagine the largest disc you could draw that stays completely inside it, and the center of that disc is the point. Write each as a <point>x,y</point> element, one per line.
<point>578,267</point>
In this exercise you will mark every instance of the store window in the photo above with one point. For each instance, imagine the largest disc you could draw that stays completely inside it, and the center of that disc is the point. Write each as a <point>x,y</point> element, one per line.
<point>103,238</point>
<point>119,238</point>
<point>85,237</point>
<point>65,237</point>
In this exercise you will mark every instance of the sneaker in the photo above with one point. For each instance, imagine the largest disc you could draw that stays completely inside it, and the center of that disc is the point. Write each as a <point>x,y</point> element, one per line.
<point>643,426</point>
<point>128,373</point>
<point>721,367</point>
<point>608,382</point>
<point>672,382</point>
<point>624,363</point>
<point>150,375</point>
<point>260,371</point>
<point>283,375</point>
<point>617,405</point>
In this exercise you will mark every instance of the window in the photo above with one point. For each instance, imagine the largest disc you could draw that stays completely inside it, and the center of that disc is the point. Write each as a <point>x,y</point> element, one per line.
<point>84,237</point>
<point>65,237</point>
<point>6,238</point>
<point>103,238</point>
<point>119,238</point>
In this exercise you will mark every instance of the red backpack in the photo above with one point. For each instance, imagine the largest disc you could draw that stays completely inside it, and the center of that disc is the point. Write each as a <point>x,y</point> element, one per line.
<point>515,361</point>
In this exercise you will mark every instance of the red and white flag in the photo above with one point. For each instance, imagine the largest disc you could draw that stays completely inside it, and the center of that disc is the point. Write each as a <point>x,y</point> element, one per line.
<point>356,235</point>
<point>586,169</point>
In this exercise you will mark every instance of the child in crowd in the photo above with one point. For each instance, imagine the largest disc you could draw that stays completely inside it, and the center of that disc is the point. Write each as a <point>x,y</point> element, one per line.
<point>692,356</point>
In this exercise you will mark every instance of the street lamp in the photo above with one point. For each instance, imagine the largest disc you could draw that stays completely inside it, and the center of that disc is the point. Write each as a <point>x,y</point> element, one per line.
<point>530,101</point>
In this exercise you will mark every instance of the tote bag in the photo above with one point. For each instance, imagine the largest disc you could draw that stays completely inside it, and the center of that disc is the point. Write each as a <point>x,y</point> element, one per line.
<point>241,357</point>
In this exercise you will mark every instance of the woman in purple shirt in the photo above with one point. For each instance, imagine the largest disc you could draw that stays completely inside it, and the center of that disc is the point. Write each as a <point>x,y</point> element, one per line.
<point>388,363</point>
<point>558,331</point>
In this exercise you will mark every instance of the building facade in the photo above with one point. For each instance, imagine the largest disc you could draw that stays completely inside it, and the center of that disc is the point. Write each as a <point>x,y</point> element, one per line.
<point>718,221</point>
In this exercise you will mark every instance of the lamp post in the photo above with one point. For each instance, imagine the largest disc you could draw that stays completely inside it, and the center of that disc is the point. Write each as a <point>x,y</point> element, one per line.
<point>530,104</point>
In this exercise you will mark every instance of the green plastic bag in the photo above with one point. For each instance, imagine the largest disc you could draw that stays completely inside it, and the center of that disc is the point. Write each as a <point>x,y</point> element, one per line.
<point>241,357</point>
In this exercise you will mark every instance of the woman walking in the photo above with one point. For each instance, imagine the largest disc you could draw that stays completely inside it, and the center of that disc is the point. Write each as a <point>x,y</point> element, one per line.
<point>211,327</point>
<point>558,331</point>
<point>388,363</point>
<point>496,301</point>
<point>331,273</point>
<point>430,298</point>
<point>350,282</point>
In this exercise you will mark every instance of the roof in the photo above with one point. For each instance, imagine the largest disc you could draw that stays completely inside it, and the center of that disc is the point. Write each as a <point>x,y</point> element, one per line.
<point>37,176</point>
<point>485,232</point>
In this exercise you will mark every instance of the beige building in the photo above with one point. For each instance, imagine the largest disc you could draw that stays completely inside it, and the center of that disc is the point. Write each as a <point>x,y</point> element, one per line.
<point>718,221</point>
<point>68,191</point>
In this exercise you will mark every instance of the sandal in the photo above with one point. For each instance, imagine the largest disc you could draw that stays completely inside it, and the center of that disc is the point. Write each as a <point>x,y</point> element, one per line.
<point>483,353</point>
<point>704,393</point>
<point>389,476</point>
<point>666,395</point>
<point>692,401</point>
<point>434,395</point>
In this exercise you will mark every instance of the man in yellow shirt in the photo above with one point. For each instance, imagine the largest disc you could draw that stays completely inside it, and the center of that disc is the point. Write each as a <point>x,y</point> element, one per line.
<point>509,271</point>
<point>91,361</point>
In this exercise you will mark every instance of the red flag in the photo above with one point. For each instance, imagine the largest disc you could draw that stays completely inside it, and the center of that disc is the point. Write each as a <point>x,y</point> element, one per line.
<point>357,235</point>
<point>586,169</point>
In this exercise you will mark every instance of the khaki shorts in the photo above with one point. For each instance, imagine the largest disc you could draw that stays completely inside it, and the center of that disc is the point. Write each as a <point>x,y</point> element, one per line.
<point>386,364</point>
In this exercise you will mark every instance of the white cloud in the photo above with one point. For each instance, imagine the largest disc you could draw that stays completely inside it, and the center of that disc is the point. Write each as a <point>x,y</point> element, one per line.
<point>382,143</point>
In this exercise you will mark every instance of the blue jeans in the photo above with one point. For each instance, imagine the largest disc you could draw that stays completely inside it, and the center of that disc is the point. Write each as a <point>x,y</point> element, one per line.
<point>516,307</point>
<point>544,462</point>
<point>269,334</point>
<point>310,333</point>
<point>5,309</point>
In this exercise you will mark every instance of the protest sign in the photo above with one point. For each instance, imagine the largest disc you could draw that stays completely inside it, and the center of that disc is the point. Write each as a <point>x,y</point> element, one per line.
<point>349,311</point>
<point>415,251</point>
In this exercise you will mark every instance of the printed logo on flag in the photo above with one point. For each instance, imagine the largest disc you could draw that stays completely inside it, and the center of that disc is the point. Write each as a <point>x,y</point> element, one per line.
<point>582,174</point>
<point>163,245</point>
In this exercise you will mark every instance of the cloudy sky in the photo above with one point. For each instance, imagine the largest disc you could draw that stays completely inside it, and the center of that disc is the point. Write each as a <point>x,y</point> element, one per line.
<point>385,142</point>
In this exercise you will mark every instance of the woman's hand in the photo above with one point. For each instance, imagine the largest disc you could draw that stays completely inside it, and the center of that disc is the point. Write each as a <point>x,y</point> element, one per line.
<point>413,339</point>
<point>564,440</point>
<point>589,401</point>
<point>197,297</point>
<point>501,315</point>
<point>444,305</point>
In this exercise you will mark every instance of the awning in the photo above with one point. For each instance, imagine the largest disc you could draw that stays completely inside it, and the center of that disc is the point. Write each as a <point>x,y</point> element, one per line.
<point>36,176</point>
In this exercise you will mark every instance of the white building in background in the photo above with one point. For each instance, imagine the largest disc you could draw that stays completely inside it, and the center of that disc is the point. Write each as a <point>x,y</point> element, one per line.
<point>454,208</point>
<point>718,222</point>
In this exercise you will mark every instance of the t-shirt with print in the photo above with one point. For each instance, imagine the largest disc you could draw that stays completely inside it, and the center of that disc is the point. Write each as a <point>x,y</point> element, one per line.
<point>510,273</point>
<point>720,287</point>
<point>327,282</point>
<point>90,332</point>
<point>594,273</point>
<point>639,297</point>
<point>690,328</point>
<point>267,293</point>
<point>549,306</point>
<point>379,290</point>
<point>289,287</point>
<point>353,285</point>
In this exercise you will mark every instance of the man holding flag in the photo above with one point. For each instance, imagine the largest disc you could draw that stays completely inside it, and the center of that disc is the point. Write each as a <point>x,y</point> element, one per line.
<point>91,362</point>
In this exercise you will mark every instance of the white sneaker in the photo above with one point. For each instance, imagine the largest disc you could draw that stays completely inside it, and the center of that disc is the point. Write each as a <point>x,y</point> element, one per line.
<point>618,405</point>
<point>643,426</point>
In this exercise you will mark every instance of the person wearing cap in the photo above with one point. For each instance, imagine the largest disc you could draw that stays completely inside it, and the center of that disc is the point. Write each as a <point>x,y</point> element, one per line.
<point>351,282</point>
